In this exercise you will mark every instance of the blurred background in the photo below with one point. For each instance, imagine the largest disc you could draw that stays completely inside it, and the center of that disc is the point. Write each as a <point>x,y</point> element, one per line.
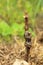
<point>12,12</point>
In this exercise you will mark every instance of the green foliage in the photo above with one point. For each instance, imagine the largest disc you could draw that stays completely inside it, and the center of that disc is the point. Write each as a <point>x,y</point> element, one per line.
<point>15,29</point>
<point>15,10</point>
<point>4,28</point>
